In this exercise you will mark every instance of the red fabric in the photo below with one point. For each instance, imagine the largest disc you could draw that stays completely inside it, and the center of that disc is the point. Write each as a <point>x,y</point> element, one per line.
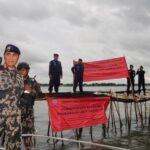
<point>72,113</point>
<point>105,69</point>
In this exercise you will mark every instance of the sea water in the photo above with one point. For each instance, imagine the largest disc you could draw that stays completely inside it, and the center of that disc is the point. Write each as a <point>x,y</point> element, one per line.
<point>135,139</point>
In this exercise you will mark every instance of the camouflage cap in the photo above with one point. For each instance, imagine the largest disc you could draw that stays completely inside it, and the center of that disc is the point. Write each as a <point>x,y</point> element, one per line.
<point>23,65</point>
<point>12,48</point>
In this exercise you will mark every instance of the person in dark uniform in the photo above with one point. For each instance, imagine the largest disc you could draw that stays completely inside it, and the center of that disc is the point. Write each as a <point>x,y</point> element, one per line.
<point>141,79</point>
<point>31,91</point>
<point>130,80</point>
<point>78,70</point>
<point>11,89</point>
<point>55,74</point>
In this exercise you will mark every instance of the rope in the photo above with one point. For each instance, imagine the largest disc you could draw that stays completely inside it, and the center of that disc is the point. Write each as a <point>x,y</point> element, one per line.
<point>77,141</point>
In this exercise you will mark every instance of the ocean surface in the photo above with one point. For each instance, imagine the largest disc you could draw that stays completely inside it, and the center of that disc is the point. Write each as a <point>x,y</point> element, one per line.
<point>135,139</point>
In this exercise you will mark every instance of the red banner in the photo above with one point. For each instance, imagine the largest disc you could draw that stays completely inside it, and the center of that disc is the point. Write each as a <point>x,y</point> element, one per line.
<point>105,69</point>
<point>72,113</point>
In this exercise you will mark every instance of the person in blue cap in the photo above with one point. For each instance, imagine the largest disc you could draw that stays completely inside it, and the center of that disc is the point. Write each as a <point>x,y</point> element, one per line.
<point>55,74</point>
<point>141,80</point>
<point>78,70</point>
<point>130,80</point>
<point>11,89</point>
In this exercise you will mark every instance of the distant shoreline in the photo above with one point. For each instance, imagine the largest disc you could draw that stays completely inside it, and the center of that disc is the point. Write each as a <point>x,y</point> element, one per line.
<point>96,84</point>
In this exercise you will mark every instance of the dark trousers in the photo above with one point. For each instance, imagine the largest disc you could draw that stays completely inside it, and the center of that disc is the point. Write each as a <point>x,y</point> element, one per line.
<point>130,83</point>
<point>54,82</point>
<point>141,83</point>
<point>75,84</point>
<point>27,120</point>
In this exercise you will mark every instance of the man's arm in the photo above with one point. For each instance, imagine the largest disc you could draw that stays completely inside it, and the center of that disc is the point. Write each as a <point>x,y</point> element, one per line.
<point>134,73</point>
<point>50,69</point>
<point>83,68</point>
<point>49,72</point>
<point>1,60</point>
<point>73,69</point>
<point>61,72</point>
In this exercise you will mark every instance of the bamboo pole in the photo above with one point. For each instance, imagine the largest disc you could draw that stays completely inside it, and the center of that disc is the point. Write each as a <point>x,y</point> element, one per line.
<point>48,130</point>
<point>91,132</point>
<point>140,116</point>
<point>141,112</point>
<point>149,118</point>
<point>145,112</point>
<point>62,144</point>
<point>109,117</point>
<point>128,116</point>
<point>111,114</point>
<point>114,120</point>
<point>136,114</point>
<point>104,130</point>
<point>118,112</point>
<point>130,119</point>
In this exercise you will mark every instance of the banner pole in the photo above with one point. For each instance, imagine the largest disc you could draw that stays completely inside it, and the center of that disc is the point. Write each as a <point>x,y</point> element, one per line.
<point>50,123</point>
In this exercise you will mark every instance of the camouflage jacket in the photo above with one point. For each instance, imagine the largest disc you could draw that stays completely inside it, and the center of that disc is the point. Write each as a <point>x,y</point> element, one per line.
<point>11,88</point>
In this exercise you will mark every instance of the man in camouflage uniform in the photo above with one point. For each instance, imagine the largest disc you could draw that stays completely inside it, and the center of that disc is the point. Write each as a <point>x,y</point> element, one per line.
<point>31,91</point>
<point>11,88</point>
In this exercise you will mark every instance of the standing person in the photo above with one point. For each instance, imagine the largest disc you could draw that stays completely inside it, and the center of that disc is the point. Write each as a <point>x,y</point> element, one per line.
<point>78,70</point>
<point>11,88</point>
<point>31,90</point>
<point>130,80</point>
<point>141,79</point>
<point>55,74</point>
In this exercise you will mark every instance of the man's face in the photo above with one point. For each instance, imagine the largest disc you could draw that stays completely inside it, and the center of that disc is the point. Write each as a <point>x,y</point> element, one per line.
<point>80,62</point>
<point>131,67</point>
<point>11,59</point>
<point>24,72</point>
<point>56,57</point>
<point>141,68</point>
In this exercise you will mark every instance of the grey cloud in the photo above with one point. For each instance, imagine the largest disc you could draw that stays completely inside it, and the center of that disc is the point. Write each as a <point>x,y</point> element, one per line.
<point>135,12</point>
<point>87,29</point>
<point>24,10</point>
<point>75,14</point>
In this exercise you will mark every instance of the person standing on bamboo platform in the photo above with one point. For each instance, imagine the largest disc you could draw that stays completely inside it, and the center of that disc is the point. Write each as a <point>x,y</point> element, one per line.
<point>55,74</point>
<point>11,89</point>
<point>78,70</point>
<point>130,80</point>
<point>141,80</point>
<point>31,90</point>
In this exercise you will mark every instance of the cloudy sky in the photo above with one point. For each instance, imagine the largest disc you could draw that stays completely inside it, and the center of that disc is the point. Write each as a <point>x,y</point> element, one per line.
<point>87,29</point>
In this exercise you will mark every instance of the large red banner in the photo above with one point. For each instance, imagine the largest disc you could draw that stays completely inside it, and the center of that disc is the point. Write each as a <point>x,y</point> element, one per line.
<point>72,113</point>
<point>105,69</point>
